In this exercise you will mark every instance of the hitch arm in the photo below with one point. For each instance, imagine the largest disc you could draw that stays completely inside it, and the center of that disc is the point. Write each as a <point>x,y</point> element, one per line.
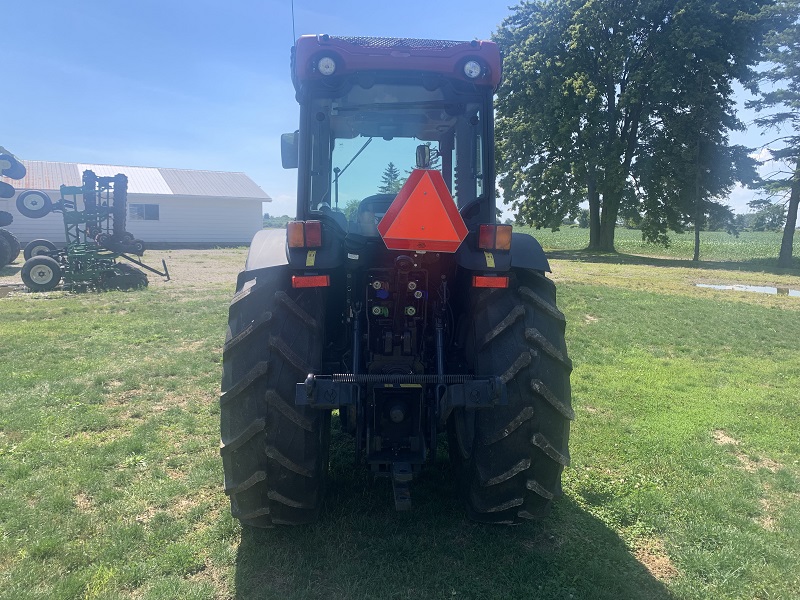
<point>148,267</point>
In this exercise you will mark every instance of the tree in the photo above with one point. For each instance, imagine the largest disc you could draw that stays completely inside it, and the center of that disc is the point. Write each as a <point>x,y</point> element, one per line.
<point>717,45</point>
<point>587,89</point>
<point>768,216</point>
<point>782,53</point>
<point>390,180</point>
<point>351,209</point>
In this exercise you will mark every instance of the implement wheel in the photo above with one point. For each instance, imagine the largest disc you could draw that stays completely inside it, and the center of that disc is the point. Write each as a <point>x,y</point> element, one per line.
<point>274,453</point>
<point>38,247</point>
<point>5,252</point>
<point>34,204</point>
<point>41,273</point>
<point>509,459</point>
<point>13,246</point>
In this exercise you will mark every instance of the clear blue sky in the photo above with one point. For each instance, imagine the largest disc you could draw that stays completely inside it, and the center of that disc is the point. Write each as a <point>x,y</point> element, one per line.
<point>194,85</point>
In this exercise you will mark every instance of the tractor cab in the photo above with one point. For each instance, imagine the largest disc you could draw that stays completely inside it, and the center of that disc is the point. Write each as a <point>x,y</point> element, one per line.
<point>374,109</point>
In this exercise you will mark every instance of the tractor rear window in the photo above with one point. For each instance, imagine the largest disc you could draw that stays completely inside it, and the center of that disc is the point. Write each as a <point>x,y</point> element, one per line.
<point>364,144</point>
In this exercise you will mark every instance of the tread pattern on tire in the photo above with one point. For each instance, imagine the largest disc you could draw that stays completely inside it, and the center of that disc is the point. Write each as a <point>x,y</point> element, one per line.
<point>14,247</point>
<point>5,252</point>
<point>512,471</point>
<point>274,453</point>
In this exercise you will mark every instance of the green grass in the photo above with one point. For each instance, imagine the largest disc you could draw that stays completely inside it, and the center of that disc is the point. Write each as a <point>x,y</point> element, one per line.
<point>685,476</point>
<point>714,245</point>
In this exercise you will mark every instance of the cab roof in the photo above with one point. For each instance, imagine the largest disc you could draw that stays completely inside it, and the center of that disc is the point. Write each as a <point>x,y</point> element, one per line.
<point>370,54</point>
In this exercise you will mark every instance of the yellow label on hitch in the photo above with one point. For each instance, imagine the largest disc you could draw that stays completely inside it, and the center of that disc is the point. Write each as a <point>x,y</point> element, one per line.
<point>489,259</point>
<point>311,258</point>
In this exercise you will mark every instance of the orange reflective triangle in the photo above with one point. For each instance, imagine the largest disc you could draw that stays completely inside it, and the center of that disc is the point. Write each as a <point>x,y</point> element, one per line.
<point>423,216</point>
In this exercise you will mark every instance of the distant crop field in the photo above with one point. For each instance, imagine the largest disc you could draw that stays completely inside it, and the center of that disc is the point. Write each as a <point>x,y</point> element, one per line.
<point>684,481</point>
<point>714,245</point>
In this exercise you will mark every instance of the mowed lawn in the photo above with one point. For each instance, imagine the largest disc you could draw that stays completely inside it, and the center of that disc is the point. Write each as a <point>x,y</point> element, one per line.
<point>684,483</point>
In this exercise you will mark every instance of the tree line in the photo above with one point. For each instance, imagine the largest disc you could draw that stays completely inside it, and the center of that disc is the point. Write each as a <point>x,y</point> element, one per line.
<point>628,105</point>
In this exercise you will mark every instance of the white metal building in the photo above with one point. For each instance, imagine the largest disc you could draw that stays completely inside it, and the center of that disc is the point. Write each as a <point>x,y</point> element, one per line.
<point>166,207</point>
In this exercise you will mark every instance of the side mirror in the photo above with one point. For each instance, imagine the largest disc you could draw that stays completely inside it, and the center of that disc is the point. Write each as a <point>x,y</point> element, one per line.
<point>290,151</point>
<point>423,156</point>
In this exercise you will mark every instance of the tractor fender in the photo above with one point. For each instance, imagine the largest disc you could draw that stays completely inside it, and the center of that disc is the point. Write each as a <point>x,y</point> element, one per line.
<point>525,253</point>
<point>268,249</point>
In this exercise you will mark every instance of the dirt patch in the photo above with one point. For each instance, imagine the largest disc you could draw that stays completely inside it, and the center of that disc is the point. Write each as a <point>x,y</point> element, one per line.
<point>753,464</point>
<point>175,474</point>
<point>183,506</point>
<point>146,516</point>
<point>199,268</point>
<point>767,521</point>
<point>83,502</point>
<point>723,439</point>
<point>652,555</point>
<point>189,268</point>
<point>749,463</point>
<point>11,289</point>
<point>589,319</point>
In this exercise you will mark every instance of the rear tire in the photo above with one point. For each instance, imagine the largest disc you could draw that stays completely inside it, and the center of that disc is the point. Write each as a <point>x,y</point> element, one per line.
<point>38,247</point>
<point>41,273</point>
<point>509,459</point>
<point>274,453</point>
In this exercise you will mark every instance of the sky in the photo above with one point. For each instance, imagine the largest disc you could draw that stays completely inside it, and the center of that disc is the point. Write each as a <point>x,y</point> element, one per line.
<point>193,85</point>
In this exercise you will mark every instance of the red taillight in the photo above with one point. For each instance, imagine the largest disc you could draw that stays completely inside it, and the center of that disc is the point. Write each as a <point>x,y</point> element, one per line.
<point>305,234</point>
<point>310,281</point>
<point>494,237</point>
<point>486,237</point>
<point>483,281</point>
<point>296,236</point>
<point>313,234</point>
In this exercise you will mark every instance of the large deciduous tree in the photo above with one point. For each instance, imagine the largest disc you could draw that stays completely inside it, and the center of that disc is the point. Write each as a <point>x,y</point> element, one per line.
<point>593,89</point>
<point>782,102</point>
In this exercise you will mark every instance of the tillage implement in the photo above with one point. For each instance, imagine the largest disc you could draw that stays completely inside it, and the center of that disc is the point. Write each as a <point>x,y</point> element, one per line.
<point>96,238</point>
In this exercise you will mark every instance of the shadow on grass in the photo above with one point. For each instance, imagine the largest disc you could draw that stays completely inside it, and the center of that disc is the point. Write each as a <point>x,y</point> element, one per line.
<point>362,548</point>
<point>757,265</point>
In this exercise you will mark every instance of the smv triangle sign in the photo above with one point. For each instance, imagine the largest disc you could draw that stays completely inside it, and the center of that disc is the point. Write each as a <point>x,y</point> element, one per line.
<point>423,217</point>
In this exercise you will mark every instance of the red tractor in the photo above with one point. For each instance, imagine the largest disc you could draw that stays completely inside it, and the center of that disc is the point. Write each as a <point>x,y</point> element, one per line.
<point>394,299</point>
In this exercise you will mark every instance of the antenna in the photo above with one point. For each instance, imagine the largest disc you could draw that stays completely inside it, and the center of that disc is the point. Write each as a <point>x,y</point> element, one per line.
<point>294,35</point>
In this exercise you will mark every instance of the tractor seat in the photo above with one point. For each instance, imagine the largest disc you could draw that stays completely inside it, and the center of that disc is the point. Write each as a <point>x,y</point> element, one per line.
<point>370,212</point>
<point>337,216</point>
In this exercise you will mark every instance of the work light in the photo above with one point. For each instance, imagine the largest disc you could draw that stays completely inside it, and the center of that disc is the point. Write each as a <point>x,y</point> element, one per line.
<point>326,65</point>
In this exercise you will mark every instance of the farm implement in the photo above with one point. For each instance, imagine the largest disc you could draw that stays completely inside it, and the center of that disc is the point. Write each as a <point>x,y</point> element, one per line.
<point>96,239</point>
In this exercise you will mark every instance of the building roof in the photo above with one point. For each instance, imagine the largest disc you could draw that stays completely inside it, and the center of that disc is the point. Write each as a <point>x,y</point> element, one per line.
<point>45,175</point>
